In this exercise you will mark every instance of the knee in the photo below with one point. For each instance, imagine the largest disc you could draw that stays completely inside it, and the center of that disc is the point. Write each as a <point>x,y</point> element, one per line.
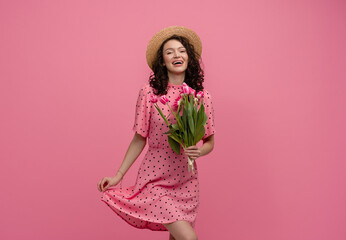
<point>191,236</point>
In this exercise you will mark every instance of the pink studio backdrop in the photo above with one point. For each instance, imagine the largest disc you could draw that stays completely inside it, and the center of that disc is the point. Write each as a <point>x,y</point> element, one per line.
<point>70,75</point>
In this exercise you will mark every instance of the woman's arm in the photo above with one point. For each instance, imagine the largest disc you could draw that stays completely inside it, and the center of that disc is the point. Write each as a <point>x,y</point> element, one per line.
<point>208,145</point>
<point>194,152</point>
<point>134,150</point>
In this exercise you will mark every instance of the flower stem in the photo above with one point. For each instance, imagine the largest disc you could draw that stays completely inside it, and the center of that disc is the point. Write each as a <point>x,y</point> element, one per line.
<point>161,113</point>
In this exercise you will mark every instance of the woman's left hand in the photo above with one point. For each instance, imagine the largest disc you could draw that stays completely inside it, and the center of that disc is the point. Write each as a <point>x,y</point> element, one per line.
<point>193,152</point>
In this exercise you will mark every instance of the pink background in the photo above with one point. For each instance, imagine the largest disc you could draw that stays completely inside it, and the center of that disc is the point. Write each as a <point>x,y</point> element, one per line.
<point>70,72</point>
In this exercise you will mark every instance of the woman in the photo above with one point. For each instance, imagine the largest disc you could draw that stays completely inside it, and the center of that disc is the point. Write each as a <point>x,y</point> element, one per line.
<point>165,195</point>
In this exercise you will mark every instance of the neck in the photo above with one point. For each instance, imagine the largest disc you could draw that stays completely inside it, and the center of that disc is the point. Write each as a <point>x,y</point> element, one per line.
<point>176,78</point>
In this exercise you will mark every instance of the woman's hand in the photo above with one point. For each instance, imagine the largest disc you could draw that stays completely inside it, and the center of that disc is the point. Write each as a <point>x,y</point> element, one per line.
<point>108,182</point>
<point>193,152</point>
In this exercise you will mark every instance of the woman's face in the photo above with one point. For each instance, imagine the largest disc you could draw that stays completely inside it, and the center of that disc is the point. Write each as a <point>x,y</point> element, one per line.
<point>175,56</point>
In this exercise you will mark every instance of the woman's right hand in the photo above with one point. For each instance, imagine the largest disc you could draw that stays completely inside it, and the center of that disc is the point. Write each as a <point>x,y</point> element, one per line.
<point>108,182</point>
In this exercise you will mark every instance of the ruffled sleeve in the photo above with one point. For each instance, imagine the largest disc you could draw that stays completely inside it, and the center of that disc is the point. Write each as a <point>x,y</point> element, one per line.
<point>209,110</point>
<point>143,111</point>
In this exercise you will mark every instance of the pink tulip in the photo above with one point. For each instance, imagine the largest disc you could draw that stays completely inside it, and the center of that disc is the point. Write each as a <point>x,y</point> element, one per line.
<point>153,98</point>
<point>186,89</point>
<point>199,94</point>
<point>192,91</point>
<point>164,99</point>
<point>177,102</point>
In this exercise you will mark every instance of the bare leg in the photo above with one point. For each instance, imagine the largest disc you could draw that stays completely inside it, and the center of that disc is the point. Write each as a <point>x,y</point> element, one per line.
<point>181,230</point>
<point>171,237</point>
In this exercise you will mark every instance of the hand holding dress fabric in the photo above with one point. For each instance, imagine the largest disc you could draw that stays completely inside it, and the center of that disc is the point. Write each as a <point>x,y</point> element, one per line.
<point>108,182</point>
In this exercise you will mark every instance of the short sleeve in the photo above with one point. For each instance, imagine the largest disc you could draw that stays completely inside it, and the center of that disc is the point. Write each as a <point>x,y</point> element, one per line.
<point>143,111</point>
<point>209,110</point>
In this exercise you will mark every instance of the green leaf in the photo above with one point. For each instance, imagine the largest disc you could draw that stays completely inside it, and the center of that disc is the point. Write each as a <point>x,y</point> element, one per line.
<point>177,117</point>
<point>200,115</point>
<point>180,123</point>
<point>174,144</point>
<point>195,115</point>
<point>176,138</point>
<point>190,117</point>
<point>205,119</point>
<point>175,127</point>
<point>179,108</point>
<point>200,133</point>
<point>185,123</point>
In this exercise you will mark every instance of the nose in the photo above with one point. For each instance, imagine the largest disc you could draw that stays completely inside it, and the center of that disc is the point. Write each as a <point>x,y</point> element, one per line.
<point>176,54</point>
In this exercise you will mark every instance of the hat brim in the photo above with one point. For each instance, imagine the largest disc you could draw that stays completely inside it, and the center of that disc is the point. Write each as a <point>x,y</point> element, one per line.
<point>159,37</point>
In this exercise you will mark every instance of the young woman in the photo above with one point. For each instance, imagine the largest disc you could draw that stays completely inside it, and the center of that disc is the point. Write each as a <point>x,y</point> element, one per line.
<point>165,196</point>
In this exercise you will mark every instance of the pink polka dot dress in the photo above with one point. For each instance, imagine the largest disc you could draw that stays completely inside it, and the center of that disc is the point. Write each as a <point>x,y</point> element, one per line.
<point>164,191</point>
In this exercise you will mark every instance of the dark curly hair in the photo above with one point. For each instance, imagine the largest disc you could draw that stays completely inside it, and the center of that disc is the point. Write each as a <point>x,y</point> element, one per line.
<point>194,74</point>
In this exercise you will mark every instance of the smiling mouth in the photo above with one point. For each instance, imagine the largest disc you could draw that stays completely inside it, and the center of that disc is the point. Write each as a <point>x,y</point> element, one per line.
<point>178,63</point>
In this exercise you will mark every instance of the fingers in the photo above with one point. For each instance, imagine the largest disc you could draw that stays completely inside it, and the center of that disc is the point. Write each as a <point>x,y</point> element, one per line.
<point>101,182</point>
<point>192,152</point>
<point>192,148</point>
<point>101,185</point>
<point>193,157</point>
<point>105,185</point>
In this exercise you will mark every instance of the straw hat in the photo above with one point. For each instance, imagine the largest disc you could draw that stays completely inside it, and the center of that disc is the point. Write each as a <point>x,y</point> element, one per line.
<point>156,41</point>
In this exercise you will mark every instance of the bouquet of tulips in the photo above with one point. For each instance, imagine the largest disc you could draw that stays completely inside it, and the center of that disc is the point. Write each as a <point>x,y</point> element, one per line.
<point>191,119</point>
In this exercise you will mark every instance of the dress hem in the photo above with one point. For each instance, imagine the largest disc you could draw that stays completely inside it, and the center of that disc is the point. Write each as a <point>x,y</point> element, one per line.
<point>145,226</point>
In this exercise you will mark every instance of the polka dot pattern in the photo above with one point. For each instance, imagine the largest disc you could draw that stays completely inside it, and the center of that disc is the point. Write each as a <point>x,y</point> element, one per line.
<point>164,191</point>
